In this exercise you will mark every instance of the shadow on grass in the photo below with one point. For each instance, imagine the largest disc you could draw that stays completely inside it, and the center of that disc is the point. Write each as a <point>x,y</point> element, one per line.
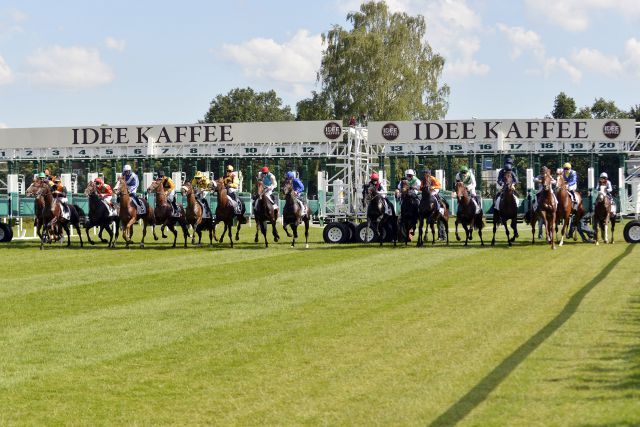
<point>467,403</point>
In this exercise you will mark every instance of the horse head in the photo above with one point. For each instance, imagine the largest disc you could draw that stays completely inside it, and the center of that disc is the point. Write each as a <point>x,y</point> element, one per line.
<point>91,188</point>
<point>186,189</point>
<point>461,190</point>
<point>155,186</point>
<point>33,188</point>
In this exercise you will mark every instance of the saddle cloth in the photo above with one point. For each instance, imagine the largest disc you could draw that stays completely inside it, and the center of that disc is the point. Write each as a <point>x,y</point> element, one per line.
<point>205,212</point>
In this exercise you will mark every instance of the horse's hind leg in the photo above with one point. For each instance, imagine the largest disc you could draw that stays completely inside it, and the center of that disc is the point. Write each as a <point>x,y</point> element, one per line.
<point>495,225</point>
<point>258,229</point>
<point>286,230</point>
<point>276,236</point>
<point>238,229</point>
<point>294,229</point>
<point>306,233</point>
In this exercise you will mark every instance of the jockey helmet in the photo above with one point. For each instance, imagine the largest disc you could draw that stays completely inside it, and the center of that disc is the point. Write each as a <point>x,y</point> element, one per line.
<point>559,171</point>
<point>426,172</point>
<point>230,168</point>
<point>126,168</point>
<point>464,169</point>
<point>374,177</point>
<point>604,175</point>
<point>567,165</point>
<point>161,174</point>
<point>291,175</point>
<point>198,175</point>
<point>544,169</point>
<point>41,175</point>
<point>409,172</point>
<point>98,180</point>
<point>56,179</point>
<point>508,160</point>
<point>508,166</point>
<point>265,169</point>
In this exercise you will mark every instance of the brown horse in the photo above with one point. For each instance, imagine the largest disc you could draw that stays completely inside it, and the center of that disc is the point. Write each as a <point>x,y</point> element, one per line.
<point>41,216</point>
<point>429,210</point>
<point>292,214</point>
<point>508,210</point>
<point>163,213</point>
<point>570,221</point>
<point>266,212</point>
<point>467,215</point>
<point>602,216</point>
<point>56,223</point>
<point>100,216</point>
<point>194,215</point>
<point>129,214</point>
<point>225,212</point>
<point>546,211</point>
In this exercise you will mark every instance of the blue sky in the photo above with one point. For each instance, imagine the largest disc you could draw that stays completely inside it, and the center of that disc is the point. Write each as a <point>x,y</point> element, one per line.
<point>68,63</point>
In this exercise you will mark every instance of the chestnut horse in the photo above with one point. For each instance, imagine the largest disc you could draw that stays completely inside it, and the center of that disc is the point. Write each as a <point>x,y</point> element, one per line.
<point>570,220</point>
<point>292,214</point>
<point>508,210</point>
<point>163,213</point>
<point>194,215</point>
<point>602,216</point>
<point>467,215</point>
<point>225,212</point>
<point>266,212</point>
<point>55,221</point>
<point>41,216</point>
<point>99,216</point>
<point>129,214</point>
<point>546,211</point>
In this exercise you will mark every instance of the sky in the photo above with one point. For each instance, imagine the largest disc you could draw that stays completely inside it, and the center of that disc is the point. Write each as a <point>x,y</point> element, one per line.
<point>86,63</point>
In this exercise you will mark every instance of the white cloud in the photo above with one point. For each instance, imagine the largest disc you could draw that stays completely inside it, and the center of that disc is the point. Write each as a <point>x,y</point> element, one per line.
<point>551,64</point>
<point>575,15</point>
<point>3,126</point>
<point>114,44</point>
<point>465,64</point>
<point>72,67</point>
<point>598,62</point>
<point>10,23</point>
<point>17,16</point>
<point>6,76</point>
<point>632,53</point>
<point>523,40</point>
<point>292,64</point>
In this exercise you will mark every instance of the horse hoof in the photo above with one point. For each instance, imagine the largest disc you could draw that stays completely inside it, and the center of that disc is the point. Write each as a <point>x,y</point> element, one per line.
<point>255,240</point>
<point>306,246</point>
<point>292,245</point>
<point>457,238</point>
<point>561,243</point>
<point>141,246</point>
<point>597,243</point>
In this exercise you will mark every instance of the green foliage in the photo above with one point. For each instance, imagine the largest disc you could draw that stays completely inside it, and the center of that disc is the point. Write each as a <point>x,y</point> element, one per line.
<point>246,105</point>
<point>382,67</point>
<point>602,109</point>
<point>318,107</point>
<point>564,107</point>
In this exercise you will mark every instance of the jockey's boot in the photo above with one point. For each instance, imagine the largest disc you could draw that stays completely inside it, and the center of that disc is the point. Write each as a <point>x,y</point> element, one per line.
<point>174,206</point>
<point>441,232</point>
<point>574,204</point>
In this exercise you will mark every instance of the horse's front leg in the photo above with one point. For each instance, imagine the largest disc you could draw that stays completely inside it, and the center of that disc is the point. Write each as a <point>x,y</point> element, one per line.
<point>420,223</point>
<point>495,225</point>
<point>86,229</point>
<point>238,229</point>
<point>306,233</point>
<point>286,230</point>
<point>432,225</point>
<point>506,230</point>
<point>276,236</point>
<point>229,226</point>
<point>172,228</point>
<point>294,229</point>
<point>258,229</point>
<point>68,233</point>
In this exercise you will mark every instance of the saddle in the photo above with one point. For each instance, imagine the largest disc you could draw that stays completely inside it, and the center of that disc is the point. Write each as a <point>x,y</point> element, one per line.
<point>237,207</point>
<point>140,207</point>
<point>206,213</point>
<point>65,212</point>
<point>110,208</point>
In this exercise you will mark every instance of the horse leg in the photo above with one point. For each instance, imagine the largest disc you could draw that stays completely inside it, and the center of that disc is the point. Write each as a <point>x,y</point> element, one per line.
<point>466,232</point>
<point>276,236</point>
<point>86,229</point>
<point>420,223</point>
<point>284,227</point>
<point>446,230</point>
<point>68,232</point>
<point>258,229</point>
<point>613,227</point>
<point>294,228</point>
<point>229,226</point>
<point>238,229</point>
<point>263,230</point>
<point>506,230</point>
<point>493,240</point>
<point>77,228</point>
<point>433,233</point>
<point>306,233</point>
<point>514,227</point>
<point>172,228</point>
<point>553,230</point>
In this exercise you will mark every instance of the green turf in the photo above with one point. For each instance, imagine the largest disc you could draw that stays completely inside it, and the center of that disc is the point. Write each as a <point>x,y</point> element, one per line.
<point>346,334</point>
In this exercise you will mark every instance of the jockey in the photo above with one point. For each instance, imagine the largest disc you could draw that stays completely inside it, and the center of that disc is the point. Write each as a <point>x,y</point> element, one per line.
<point>48,177</point>
<point>469,182</point>
<point>132,182</point>
<point>414,183</point>
<point>231,183</point>
<point>270,183</point>
<point>104,192</point>
<point>200,184</point>
<point>435,185</point>
<point>170,188</point>
<point>381,188</point>
<point>540,181</point>
<point>508,166</point>
<point>603,181</point>
<point>571,177</point>
<point>298,188</point>
<point>41,177</point>
<point>59,193</point>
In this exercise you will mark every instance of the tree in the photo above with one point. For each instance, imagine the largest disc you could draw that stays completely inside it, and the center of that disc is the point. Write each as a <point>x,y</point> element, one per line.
<point>318,107</point>
<point>382,67</point>
<point>583,113</point>
<point>602,109</point>
<point>634,112</point>
<point>245,105</point>
<point>564,107</point>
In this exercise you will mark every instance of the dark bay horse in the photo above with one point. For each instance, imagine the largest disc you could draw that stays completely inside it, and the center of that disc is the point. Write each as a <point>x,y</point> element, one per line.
<point>508,210</point>
<point>56,222</point>
<point>41,216</point>
<point>163,213</point>
<point>195,215</point>
<point>99,216</point>
<point>429,210</point>
<point>602,216</point>
<point>225,212</point>
<point>266,212</point>
<point>377,213</point>
<point>546,211</point>
<point>409,204</point>
<point>570,220</point>
<point>129,214</point>
<point>467,215</point>
<point>292,214</point>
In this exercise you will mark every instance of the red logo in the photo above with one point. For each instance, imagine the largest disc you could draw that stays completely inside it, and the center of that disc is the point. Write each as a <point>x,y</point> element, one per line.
<point>611,130</point>
<point>332,130</point>
<point>390,132</point>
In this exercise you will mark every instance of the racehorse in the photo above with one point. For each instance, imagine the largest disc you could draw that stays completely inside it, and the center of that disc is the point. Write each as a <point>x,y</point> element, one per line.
<point>429,210</point>
<point>546,211</point>
<point>195,215</point>
<point>128,213</point>
<point>378,215</point>
<point>225,212</point>
<point>292,214</point>
<point>41,217</point>
<point>265,212</point>
<point>409,204</point>
<point>467,215</point>
<point>508,210</point>
<point>602,216</point>
<point>99,216</point>
<point>55,222</point>
<point>570,221</point>
<point>163,213</point>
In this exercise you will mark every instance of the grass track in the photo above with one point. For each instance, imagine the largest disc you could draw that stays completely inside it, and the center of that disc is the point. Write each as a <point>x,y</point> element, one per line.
<point>343,334</point>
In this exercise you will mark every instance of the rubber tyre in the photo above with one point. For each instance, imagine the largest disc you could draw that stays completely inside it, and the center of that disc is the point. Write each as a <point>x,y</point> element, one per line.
<point>6,233</point>
<point>351,227</point>
<point>363,233</point>
<point>632,232</point>
<point>335,232</point>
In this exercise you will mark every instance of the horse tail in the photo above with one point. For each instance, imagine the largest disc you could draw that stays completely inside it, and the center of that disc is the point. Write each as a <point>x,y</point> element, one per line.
<point>82,216</point>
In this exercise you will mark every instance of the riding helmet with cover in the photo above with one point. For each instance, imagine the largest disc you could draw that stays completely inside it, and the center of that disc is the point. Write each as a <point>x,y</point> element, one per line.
<point>160,174</point>
<point>98,180</point>
<point>265,169</point>
<point>508,166</point>
<point>198,175</point>
<point>126,168</point>
<point>291,175</point>
<point>374,177</point>
<point>42,175</point>
<point>409,172</point>
<point>604,175</point>
<point>229,168</point>
<point>426,172</point>
<point>464,170</point>
<point>567,165</point>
